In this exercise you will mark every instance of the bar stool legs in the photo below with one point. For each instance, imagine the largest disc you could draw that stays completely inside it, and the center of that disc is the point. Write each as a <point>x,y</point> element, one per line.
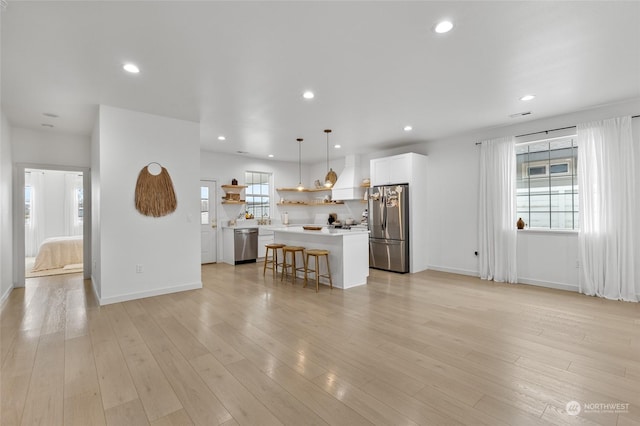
<point>273,262</point>
<point>294,268</point>
<point>317,254</point>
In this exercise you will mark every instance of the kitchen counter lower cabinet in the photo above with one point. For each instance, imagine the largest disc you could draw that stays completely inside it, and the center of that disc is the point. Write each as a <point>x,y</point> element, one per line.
<point>348,258</point>
<point>262,240</point>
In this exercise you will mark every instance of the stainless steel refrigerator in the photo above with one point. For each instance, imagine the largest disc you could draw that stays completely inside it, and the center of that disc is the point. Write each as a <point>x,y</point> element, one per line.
<point>389,228</point>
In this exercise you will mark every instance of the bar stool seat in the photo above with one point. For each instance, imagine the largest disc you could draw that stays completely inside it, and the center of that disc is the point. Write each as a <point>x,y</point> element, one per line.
<point>273,262</point>
<point>286,265</point>
<point>316,255</point>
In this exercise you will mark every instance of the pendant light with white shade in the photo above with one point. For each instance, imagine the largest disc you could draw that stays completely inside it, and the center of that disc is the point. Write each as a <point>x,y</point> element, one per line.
<point>300,185</point>
<point>331,177</point>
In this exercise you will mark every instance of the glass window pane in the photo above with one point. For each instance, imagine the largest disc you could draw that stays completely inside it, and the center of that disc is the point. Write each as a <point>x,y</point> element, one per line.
<point>558,144</point>
<point>539,203</point>
<point>204,218</point>
<point>562,220</point>
<point>204,192</point>
<point>540,220</point>
<point>539,186</point>
<point>561,202</point>
<point>522,202</point>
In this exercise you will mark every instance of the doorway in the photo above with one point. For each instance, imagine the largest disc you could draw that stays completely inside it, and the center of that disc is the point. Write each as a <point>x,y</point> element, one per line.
<point>54,212</point>
<point>208,222</point>
<point>52,230</point>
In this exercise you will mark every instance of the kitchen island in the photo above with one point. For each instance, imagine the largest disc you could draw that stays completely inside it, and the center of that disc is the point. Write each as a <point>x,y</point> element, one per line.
<point>348,251</point>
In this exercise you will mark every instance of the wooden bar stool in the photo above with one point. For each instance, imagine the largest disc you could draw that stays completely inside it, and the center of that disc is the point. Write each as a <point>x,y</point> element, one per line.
<point>317,254</point>
<point>292,265</point>
<point>273,262</point>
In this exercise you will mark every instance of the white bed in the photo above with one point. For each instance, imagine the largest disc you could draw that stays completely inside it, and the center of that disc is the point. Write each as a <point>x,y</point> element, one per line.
<point>58,252</point>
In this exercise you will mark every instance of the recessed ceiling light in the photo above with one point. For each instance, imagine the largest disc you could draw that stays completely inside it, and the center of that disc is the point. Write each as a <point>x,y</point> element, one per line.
<point>408,128</point>
<point>527,97</point>
<point>46,125</point>
<point>308,95</point>
<point>222,138</point>
<point>444,27</point>
<point>270,155</point>
<point>50,114</point>
<point>337,146</point>
<point>132,68</point>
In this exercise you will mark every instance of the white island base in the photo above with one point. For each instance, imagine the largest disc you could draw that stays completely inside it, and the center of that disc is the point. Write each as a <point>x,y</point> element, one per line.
<point>348,252</point>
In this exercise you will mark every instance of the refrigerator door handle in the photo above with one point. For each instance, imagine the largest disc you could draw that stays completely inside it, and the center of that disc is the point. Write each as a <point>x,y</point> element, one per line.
<point>384,213</point>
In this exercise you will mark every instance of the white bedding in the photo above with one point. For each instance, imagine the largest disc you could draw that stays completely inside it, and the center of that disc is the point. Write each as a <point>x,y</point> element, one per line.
<point>58,252</point>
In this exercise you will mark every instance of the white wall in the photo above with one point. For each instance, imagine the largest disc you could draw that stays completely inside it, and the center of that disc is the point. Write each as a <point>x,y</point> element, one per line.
<point>50,147</point>
<point>547,259</point>
<point>7,278</point>
<point>168,248</point>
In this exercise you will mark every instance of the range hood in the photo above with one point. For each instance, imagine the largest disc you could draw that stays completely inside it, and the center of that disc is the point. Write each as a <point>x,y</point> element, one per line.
<point>347,187</point>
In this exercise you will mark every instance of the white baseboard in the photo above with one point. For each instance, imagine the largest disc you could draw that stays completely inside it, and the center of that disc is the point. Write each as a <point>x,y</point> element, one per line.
<point>5,296</point>
<point>549,284</point>
<point>156,292</point>
<point>455,270</point>
<point>521,280</point>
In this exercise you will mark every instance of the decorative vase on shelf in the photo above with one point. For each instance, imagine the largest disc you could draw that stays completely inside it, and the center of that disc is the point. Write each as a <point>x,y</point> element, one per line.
<point>234,181</point>
<point>520,224</point>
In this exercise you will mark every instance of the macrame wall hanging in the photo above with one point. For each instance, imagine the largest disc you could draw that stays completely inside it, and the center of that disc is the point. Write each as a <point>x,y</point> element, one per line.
<point>154,193</point>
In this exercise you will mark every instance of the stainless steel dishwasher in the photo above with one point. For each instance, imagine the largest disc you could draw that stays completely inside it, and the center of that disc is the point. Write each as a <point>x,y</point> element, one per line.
<point>245,245</point>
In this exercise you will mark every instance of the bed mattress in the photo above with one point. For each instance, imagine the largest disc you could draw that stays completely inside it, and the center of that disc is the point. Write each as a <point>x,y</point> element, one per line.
<point>58,252</point>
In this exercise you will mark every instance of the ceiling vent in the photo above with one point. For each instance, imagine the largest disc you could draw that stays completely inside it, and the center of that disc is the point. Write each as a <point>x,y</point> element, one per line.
<point>519,114</point>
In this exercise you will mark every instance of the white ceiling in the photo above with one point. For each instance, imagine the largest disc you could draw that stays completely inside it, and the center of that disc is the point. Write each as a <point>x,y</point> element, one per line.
<point>240,68</point>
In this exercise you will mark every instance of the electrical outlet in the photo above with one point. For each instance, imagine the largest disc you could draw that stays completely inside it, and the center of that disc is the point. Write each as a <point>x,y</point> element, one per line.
<point>139,269</point>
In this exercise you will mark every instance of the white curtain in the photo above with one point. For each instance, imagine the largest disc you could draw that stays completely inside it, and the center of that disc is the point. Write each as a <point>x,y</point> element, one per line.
<point>497,210</point>
<point>34,225</point>
<point>72,222</point>
<point>608,191</point>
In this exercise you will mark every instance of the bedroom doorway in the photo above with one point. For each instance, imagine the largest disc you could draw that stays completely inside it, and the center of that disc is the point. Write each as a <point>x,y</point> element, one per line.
<point>52,230</point>
<point>54,212</point>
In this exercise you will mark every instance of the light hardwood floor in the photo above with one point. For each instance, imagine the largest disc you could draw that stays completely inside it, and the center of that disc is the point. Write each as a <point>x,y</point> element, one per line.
<point>429,349</point>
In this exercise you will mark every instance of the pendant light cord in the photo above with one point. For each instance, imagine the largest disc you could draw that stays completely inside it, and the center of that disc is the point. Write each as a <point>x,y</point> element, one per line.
<point>299,163</point>
<point>328,183</point>
<point>327,132</point>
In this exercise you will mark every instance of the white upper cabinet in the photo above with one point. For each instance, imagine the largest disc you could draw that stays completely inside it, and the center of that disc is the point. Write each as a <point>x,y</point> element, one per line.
<point>391,170</point>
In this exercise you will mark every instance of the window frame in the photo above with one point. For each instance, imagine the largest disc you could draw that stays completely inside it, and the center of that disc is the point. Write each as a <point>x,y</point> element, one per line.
<point>249,195</point>
<point>547,190</point>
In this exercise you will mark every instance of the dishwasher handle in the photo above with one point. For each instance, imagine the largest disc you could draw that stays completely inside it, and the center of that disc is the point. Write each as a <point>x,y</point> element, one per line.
<point>246,231</point>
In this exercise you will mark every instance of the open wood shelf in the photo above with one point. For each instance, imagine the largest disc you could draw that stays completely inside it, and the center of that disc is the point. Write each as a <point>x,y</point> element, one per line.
<point>303,190</point>
<point>307,203</point>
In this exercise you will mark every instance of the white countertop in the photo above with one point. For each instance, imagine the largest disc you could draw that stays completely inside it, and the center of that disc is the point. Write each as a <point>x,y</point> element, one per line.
<point>325,231</point>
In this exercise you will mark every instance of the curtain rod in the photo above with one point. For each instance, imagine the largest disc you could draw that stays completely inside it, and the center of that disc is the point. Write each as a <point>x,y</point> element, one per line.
<point>551,130</point>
